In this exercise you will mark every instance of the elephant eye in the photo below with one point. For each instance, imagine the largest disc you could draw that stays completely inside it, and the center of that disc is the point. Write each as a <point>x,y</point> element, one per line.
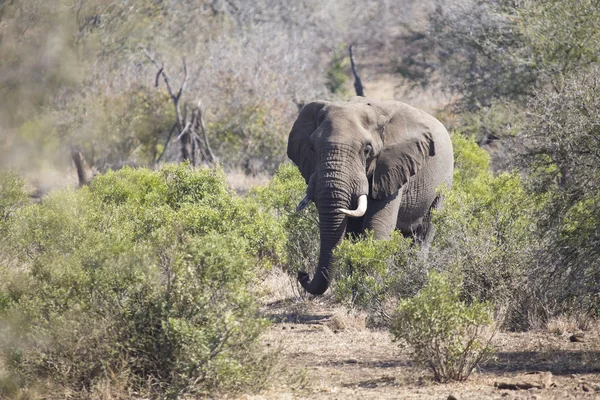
<point>367,150</point>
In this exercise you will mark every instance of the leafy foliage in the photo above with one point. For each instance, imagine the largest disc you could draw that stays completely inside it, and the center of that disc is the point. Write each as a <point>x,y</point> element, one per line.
<point>12,193</point>
<point>250,137</point>
<point>561,152</point>
<point>526,74</point>
<point>143,277</point>
<point>502,49</point>
<point>370,273</point>
<point>336,76</point>
<point>476,46</point>
<point>129,127</point>
<point>280,197</point>
<point>445,334</point>
<point>486,229</point>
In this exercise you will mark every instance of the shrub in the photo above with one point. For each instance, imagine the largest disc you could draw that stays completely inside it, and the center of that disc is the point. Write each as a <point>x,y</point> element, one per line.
<point>445,334</point>
<point>250,136</point>
<point>373,274</point>
<point>130,127</point>
<point>12,193</point>
<point>143,278</point>
<point>486,230</point>
<point>301,229</point>
<point>559,154</point>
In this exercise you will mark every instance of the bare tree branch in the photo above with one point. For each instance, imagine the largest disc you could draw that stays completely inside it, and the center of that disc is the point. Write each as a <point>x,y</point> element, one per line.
<point>191,143</point>
<point>357,83</point>
<point>185,77</point>
<point>166,143</point>
<point>184,131</point>
<point>158,76</point>
<point>211,155</point>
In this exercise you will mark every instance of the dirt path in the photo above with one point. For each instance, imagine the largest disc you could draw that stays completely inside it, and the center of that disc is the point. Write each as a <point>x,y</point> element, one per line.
<point>327,353</point>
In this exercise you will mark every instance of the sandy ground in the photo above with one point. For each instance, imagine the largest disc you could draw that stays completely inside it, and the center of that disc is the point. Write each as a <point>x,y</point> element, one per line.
<point>327,352</point>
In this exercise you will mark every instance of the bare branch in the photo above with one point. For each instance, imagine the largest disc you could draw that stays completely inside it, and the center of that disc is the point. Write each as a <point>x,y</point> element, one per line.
<point>158,76</point>
<point>185,77</point>
<point>166,143</point>
<point>161,71</point>
<point>213,159</point>
<point>184,131</point>
<point>191,142</point>
<point>357,83</point>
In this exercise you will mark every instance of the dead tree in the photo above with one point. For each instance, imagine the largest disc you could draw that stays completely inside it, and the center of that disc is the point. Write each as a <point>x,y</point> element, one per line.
<point>357,83</point>
<point>188,123</point>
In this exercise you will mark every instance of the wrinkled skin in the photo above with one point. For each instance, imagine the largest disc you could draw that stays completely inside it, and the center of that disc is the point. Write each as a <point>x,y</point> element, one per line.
<point>393,154</point>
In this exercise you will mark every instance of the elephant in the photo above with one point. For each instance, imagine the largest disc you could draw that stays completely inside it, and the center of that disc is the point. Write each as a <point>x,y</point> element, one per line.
<point>368,165</point>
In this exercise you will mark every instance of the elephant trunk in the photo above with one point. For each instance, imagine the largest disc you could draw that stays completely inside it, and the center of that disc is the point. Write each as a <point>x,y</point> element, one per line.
<point>335,187</point>
<point>332,226</point>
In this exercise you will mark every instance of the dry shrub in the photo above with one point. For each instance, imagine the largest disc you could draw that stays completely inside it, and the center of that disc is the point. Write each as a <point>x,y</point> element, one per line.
<point>568,324</point>
<point>277,285</point>
<point>348,320</point>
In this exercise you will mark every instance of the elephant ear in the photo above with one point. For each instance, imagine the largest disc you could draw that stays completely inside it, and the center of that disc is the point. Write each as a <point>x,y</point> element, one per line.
<point>408,143</point>
<point>299,149</point>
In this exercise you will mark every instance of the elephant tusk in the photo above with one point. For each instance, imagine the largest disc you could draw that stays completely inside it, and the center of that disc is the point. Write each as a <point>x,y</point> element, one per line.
<point>360,210</point>
<point>303,203</point>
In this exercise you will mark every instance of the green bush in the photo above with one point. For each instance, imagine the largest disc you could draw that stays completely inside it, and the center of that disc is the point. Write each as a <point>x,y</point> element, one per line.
<point>336,76</point>
<point>486,230</point>
<point>250,136</point>
<point>12,193</point>
<point>301,229</point>
<point>129,127</point>
<point>373,274</point>
<point>143,279</point>
<point>445,334</point>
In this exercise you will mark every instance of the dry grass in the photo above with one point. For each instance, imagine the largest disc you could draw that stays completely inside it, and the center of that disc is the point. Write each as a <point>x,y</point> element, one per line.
<point>241,183</point>
<point>344,319</point>
<point>570,324</point>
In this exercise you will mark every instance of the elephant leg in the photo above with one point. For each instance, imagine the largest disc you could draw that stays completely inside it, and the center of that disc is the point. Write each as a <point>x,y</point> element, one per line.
<point>381,216</point>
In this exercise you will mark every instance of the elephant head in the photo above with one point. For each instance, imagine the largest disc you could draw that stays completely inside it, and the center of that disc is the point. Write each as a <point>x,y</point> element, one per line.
<point>350,153</point>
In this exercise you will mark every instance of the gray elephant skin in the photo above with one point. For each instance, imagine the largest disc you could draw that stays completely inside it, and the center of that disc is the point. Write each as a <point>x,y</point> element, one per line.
<point>368,165</point>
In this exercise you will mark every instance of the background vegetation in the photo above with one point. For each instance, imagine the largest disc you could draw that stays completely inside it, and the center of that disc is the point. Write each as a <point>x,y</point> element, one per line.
<point>145,281</point>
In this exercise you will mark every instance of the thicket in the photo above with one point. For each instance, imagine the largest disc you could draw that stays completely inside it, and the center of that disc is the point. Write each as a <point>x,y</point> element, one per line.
<point>301,229</point>
<point>526,77</point>
<point>142,283</point>
<point>146,279</point>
